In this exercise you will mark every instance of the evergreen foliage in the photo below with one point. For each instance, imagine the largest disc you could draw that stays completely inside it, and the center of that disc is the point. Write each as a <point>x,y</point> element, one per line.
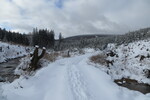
<point>14,37</point>
<point>43,38</point>
<point>100,42</point>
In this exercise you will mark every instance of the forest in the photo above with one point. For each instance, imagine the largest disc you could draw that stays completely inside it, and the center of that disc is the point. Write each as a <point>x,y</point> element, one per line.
<point>46,38</point>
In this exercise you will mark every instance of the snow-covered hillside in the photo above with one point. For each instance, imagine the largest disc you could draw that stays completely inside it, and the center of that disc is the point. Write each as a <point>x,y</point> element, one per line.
<point>130,61</point>
<point>9,51</point>
<point>69,79</point>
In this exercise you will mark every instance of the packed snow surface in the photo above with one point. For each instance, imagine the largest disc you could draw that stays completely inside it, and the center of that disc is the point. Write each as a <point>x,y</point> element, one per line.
<point>69,79</point>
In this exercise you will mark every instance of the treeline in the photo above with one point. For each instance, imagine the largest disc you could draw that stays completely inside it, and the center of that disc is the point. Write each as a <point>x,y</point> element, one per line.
<point>133,36</point>
<point>15,37</point>
<point>41,37</point>
<point>45,38</point>
<point>101,42</point>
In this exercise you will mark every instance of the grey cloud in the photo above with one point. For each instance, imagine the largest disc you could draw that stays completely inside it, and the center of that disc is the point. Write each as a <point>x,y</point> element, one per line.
<point>76,16</point>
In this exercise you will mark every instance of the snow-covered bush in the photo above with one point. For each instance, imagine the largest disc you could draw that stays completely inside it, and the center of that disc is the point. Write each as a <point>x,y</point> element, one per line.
<point>100,59</point>
<point>51,57</point>
<point>131,61</point>
<point>23,66</point>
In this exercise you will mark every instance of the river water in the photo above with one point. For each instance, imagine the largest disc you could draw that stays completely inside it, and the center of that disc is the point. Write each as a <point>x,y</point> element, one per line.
<point>7,75</point>
<point>7,70</point>
<point>133,85</point>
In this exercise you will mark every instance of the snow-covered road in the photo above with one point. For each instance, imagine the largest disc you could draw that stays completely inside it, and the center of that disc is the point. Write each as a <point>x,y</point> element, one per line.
<point>69,79</point>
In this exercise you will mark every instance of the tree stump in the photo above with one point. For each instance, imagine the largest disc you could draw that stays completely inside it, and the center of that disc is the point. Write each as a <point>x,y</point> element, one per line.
<point>36,57</point>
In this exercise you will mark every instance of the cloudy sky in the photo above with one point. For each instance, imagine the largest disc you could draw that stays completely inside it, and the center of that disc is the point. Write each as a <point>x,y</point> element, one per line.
<point>74,17</point>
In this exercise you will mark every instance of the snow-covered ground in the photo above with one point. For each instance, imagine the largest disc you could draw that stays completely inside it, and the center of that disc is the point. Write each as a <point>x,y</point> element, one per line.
<point>69,79</point>
<point>9,51</point>
<point>76,78</point>
<point>127,63</point>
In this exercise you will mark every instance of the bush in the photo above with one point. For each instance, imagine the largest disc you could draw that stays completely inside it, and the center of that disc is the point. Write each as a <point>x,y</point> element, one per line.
<point>101,59</point>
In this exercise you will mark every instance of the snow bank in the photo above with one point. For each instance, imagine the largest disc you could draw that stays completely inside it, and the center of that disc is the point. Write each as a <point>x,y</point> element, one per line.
<point>10,51</point>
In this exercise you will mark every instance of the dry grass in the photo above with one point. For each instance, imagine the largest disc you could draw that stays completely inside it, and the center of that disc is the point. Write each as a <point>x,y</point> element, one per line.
<point>65,56</point>
<point>52,56</point>
<point>100,59</point>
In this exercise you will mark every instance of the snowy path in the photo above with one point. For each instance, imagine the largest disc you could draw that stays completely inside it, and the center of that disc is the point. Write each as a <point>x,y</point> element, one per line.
<point>77,83</point>
<point>69,79</point>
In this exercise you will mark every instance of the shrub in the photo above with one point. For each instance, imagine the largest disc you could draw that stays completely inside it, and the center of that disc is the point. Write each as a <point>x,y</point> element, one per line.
<point>101,59</point>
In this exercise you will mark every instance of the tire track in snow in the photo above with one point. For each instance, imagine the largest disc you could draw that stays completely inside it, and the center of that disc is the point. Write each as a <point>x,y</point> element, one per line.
<point>77,83</point>
<point>1,92</point>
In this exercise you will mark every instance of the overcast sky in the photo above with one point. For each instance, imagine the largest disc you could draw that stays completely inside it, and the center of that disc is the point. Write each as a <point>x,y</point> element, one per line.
<point>75,17</point>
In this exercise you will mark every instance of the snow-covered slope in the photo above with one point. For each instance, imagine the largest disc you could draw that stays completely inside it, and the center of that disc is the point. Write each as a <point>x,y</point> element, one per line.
<point>69,79</point>
<point>9,51</point>
<point>132,61</point>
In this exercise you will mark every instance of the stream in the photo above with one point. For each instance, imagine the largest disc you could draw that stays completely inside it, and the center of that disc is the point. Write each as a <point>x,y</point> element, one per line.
<point>7,70</point>
<point>133,85</point>
<point>7,75</point>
